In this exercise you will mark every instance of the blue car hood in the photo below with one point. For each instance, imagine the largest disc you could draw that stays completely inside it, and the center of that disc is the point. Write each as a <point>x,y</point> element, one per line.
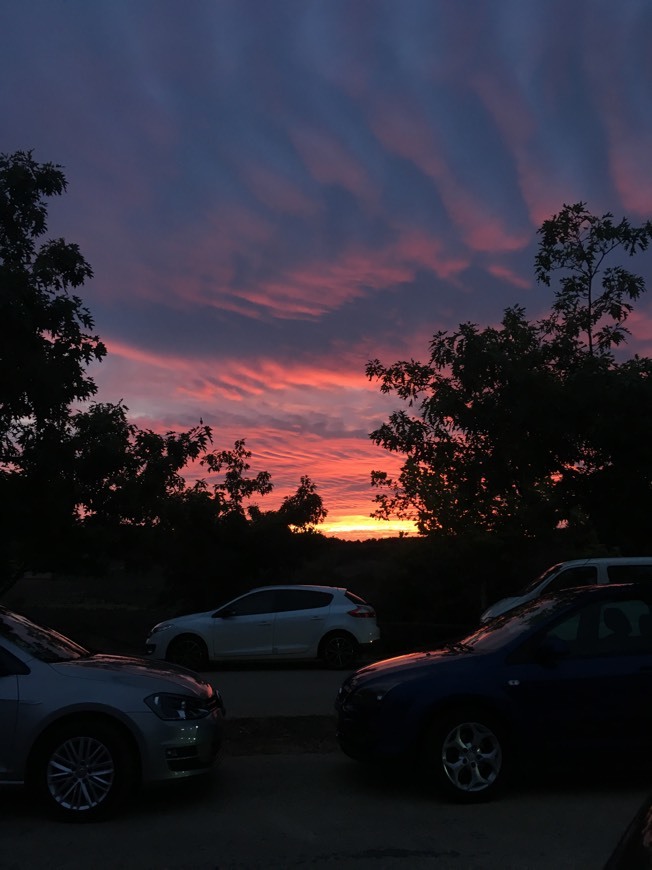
<point>412,664</point>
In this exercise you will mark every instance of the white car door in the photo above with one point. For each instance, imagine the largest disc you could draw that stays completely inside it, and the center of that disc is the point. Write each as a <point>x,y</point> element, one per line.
<point>301,621</point>
<point>244,628</point>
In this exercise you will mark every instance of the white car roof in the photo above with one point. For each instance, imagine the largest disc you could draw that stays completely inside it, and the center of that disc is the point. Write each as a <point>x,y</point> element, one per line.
<point>608,560</point>
<point>298,586</point>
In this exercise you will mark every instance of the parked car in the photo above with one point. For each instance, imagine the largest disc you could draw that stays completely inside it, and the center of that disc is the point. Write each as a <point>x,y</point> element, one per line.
<point>271,622</point>
<point>634,849</point>
<point>577,572</point>
<point>83,730</point>
<point>560,677</point>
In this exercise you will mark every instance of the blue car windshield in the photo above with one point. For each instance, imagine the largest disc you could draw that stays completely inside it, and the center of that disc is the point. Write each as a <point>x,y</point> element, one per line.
<point>520,622</point>
<point>42,643</point>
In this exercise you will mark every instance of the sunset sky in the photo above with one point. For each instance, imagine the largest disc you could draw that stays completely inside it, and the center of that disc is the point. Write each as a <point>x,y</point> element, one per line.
<point>272,192</point>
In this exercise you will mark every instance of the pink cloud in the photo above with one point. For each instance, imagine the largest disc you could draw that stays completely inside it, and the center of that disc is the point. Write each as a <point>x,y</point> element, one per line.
<point>196,375</point>
<point>403,131</point>
<point>330,162</point>
<point>543,189</point>
<point>279,194</point>
<point>629,161</point>
<point>418,249</point>
<point>204,275</point>
<point>503,273</point>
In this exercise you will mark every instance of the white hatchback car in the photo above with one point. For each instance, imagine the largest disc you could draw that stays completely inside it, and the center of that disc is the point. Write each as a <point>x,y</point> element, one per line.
<point>271,622</point>
<point>577,572</point>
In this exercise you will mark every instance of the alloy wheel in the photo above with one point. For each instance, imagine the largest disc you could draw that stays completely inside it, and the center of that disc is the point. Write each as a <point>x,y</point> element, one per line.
<point>80,773</point>
<point>339,651</point>
<point>472,757</point>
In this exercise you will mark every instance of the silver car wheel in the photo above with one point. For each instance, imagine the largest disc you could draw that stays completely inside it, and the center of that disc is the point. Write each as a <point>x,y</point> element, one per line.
<point>472,757</point>
<point>80,773</point>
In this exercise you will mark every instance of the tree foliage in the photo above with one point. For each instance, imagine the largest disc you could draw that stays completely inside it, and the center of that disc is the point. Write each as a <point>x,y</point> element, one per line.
<point>235,488</point>
<point>527,426</point>
<point>79,479</point>
<point>304,509</point>
<point>47,332</point>
<point>593,299</point>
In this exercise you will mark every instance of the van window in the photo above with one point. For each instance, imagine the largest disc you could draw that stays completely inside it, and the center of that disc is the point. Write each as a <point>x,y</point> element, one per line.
<point>538,581</point>
<point>629,573</point>
<point>580,575</point>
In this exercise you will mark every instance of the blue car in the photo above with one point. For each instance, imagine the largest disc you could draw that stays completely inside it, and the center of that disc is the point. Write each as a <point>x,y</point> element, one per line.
<point>565,675</point>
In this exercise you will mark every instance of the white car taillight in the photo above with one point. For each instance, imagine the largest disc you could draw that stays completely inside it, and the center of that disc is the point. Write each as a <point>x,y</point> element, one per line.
<point>363,612</point>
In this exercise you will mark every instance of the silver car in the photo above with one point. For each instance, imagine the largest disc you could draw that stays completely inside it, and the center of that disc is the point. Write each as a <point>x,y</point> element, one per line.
<point>83,730</point>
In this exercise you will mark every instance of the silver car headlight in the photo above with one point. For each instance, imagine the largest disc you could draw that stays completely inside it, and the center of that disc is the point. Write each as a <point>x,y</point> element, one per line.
<point>179,707</point>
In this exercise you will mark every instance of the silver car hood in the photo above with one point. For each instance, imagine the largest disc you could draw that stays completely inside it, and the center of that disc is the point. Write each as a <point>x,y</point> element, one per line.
<point>133,670</point>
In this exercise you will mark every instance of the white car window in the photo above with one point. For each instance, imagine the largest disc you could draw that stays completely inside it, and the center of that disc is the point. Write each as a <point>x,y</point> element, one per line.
<point>302,599</point>
<point>263,601</point>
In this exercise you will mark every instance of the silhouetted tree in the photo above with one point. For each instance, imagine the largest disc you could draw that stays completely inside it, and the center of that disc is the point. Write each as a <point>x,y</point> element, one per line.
<point>47,345</point>
<point>593,299</point>
<point>234,488</point>
<point>74,478</point>
<point>305,509</point>
<point>47,332</point>
<point>522,428</point>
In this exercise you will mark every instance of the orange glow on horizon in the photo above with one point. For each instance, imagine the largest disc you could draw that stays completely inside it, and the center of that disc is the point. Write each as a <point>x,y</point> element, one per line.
<point>357,527</point>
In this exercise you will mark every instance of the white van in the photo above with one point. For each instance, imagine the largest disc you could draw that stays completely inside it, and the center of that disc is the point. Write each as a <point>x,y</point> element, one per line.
<point>577,572</point>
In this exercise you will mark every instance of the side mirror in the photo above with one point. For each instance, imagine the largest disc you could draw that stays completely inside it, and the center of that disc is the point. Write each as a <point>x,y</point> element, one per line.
<point>224,614</point>
<point>551,650</point>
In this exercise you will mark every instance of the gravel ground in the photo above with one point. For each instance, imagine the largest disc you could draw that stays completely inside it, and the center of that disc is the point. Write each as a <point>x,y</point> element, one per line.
<point>280,734</point>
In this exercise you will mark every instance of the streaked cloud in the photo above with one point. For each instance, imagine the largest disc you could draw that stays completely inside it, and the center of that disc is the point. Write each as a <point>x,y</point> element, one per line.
<point>271,193</point>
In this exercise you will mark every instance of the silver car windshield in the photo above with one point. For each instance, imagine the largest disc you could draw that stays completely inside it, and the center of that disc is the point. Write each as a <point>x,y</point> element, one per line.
<point>43,643</point>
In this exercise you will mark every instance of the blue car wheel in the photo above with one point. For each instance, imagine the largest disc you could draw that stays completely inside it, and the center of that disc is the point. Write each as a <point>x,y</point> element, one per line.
<point>468,756</point>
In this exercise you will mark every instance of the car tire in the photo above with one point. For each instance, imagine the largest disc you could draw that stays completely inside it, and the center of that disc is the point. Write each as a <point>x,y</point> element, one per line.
<point>466,753</point>
<point>84,770</point>
<point>339,650</point>
<point>189,651</point>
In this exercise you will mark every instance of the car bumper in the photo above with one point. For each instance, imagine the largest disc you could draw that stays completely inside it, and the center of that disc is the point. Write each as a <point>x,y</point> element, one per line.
<point>355,740</point>
<point>179,749</point>
<point>366,734</point>
<point>156,645</point>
